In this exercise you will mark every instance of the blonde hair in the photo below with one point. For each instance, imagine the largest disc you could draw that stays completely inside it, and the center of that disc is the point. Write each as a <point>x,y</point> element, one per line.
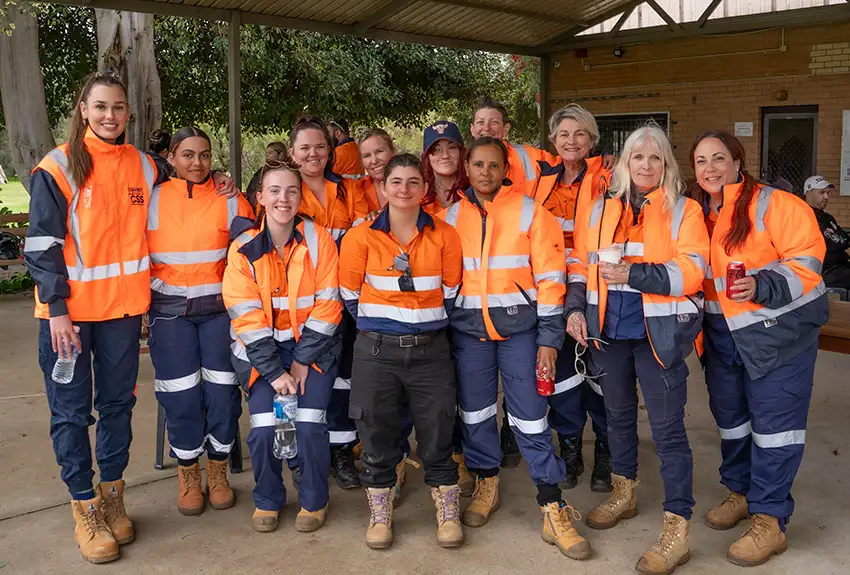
<point>671,177</point>
<point>580,115</point>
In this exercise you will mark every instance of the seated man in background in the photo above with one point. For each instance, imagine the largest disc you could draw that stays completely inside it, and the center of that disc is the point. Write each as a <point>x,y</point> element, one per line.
<point>836,263</point>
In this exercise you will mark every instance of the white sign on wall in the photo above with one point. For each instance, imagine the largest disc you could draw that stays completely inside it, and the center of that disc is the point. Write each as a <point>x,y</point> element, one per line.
<point>743,129</point>
<point>844,186</point>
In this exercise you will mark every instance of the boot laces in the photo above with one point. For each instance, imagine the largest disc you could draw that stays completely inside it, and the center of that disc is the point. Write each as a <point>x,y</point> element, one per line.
<point>379,506</point>
<point>619,495</point>
<point>113,507</point>
<point>94,520</point>
<point>483,489</point>
<point>449,504</point>
<point>668,536</point>
<point>731,500</point>
<point>602,456</point>
<point>759,528</point>
<point>191,476</point>
<point>216,474</point>
<point>565,516</point>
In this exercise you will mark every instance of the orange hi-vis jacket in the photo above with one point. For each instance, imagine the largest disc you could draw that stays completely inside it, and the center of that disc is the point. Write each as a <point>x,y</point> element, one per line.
<point>339,214</point>
<point>188,234</point>
<point>570,204</point>
<point>369,191</point>
<point>514,269</point>
<point>785,252</point>
<point>369,281</point>
<point>347,159</point>
<point>675,254</point>
<point>523,163</point>
<point>86,248</point>
<point>272,300</point>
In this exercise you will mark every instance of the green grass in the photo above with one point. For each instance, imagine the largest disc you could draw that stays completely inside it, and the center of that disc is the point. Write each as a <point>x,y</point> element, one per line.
<point>14,196</point>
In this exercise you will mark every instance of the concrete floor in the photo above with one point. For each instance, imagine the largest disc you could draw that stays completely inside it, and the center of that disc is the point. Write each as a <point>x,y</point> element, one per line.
<point>36,526</point>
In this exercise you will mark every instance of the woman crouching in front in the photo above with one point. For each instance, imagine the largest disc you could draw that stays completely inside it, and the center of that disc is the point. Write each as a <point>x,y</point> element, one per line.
<point>647,307</point>
<point>281,291</point>
<point>399,277</point>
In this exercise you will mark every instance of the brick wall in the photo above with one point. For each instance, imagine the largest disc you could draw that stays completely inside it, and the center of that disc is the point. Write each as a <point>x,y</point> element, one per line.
<point>712,82</point>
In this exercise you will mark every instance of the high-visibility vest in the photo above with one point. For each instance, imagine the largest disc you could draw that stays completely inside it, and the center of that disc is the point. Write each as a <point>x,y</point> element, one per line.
<point>272,300</point>
<point>677,250</point>
<point>785,250</point>
<point>514,269</point>
<point>105,250</point>
<point>337,215</point>
<point>347,159</point>
<point>523,163</point>
<point>188,234</point>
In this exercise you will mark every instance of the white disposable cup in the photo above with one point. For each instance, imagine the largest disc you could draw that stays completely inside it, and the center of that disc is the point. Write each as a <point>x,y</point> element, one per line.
<point>612,254</point>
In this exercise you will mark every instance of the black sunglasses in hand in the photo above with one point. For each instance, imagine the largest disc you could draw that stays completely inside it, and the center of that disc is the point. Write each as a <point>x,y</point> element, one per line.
<point>401,263</point>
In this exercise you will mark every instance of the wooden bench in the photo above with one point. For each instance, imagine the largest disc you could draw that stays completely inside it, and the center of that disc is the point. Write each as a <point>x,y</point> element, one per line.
<point>6,219</point>
<point>835,335</point>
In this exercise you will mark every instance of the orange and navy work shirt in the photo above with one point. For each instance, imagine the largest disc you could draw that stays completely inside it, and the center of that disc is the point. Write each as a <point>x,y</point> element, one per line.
<point>369,280</point>
<point>524,163</point>
<point>85,245</point>
<point>188,235</point>
<point>338,214</point>
<point>514,269</point>
<point>369,191</point>
<point>347,159</point>
<point>281,301</point>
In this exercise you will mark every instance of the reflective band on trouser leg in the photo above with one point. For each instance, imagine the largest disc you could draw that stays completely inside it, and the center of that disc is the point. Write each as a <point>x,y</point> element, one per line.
<point>478,389</point>
<point>269,492</point>
<point>566,409</point>
<point>526,409</point>
<point>222,396</point>
<point>311,429</point>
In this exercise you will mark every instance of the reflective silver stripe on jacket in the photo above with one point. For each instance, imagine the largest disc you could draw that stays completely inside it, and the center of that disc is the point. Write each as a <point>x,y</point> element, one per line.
<point>451,215</point>
<point>525,160</point>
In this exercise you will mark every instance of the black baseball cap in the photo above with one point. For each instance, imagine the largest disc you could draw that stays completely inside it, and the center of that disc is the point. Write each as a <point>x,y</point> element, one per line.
<point>340,123</point>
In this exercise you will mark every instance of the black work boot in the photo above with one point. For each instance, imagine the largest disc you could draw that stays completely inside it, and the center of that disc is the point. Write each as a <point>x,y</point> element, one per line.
<point>571,454</point>
<point>296,477</point>
<point>600,480</point>
<point>342,467</point>
<point>510,450</point>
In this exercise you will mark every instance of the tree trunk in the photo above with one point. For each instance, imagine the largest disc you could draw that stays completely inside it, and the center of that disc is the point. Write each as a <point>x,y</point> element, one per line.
<point>125,45</point>
<point>24,108</point>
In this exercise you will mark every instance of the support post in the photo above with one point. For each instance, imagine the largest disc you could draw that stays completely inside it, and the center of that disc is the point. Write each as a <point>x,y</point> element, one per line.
<point>234,96</point>
<point>545,71</point>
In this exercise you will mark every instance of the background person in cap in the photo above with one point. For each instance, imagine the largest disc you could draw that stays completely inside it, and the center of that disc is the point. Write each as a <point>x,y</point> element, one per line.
<point>836,263</point>
<point>346,155</point>
<point>445,174</point>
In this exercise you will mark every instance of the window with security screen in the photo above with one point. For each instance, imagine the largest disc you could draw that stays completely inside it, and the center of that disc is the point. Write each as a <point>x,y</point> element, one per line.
<point>615,128</point>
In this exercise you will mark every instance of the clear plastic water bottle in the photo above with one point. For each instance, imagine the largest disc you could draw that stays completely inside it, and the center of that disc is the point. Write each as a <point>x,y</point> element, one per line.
<point>63,369</point>
<point>285,412</point>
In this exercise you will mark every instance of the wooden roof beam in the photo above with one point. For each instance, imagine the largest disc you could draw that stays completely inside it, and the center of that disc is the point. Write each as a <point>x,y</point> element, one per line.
<point>381,13</point>
<point>672,24</point>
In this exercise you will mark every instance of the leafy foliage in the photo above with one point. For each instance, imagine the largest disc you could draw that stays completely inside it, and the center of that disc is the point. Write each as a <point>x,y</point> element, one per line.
<point>19,282</point>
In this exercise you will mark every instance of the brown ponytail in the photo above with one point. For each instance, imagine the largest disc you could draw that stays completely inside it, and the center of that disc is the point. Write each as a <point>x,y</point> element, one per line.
<point>79,158</point>
<point>742,225</point>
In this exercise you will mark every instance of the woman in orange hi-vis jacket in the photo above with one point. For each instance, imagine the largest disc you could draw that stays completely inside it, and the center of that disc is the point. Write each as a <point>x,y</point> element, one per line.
<point>188,234</point>
<point>643,310</point>
<point>761,343</point>
<point>376,148</point>
<point>399,276</point>
<point>337,205</point>
<point>508,319</point>
<point>87,253</point>
<point>568,189</point>
<point>281,291</point>
<point>442,159</point>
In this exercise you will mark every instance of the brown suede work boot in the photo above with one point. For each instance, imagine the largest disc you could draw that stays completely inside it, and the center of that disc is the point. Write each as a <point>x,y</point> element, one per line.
<point>759,543</point>
<point>264,521</point>
<point>485,501</point>
<point>465,479</point>
<point>447,501</point>
<point>671,549</point>
<point>379,535</point>
<point>729,513</point>
<point>309,521</point>
<point>97,545</point>
<point>219,491</point>
<point>190,498</point>
<point>621,504</point>
<point>112,494</point>
<point>558,530</point>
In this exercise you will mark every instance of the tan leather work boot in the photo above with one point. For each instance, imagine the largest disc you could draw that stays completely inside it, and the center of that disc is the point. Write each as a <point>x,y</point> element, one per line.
<point>621,504</point>
<point>485,501</point>
<point>219,491</point>
<point>309,521</point>
<point>264,521</point>
<point>558,530</point>
<point>112,495</point>
<point>729,513</point>
<point>465,480</point>
<point>190,498</point>
<point>759,543</point>
<point>97,545</point>
<point>447,501</point>
<point>379,535</point>
<point>671,549</point>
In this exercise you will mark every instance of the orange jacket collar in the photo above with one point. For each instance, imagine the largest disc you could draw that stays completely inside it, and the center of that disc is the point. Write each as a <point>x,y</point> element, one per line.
<point>98,146</point>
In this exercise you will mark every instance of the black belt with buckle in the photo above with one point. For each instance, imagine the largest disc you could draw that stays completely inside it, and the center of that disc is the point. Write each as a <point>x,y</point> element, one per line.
<point>403,340</point>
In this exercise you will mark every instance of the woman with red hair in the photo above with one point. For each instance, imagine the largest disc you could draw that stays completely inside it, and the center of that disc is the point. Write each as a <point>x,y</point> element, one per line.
<point>445,174</point>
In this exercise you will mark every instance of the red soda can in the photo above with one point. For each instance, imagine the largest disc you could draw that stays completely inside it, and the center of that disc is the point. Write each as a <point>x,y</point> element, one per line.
<point>734,272</point>
<point>545,384</point>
